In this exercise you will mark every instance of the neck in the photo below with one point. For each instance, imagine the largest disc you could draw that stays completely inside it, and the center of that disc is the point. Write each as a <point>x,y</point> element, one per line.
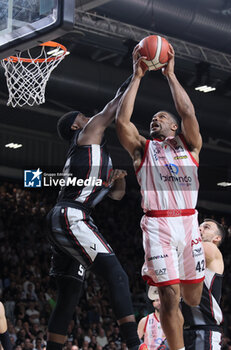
<point>160,137</point>
<point>157,313</point>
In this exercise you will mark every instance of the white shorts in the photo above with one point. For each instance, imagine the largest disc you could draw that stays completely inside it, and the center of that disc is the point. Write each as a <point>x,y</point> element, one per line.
<point>173,250</point>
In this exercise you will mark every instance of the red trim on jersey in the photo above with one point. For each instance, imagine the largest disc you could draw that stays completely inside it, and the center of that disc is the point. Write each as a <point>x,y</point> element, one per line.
<point>210,295</point>
<point>150,282</point>
<point>156,317</point>
<point>145,151</point>
<point>145,326</point>
<point>210,340</point>
<point>193,281</point>
<point>73,236</point>
<point>170,213</point>
<point>187,149</point>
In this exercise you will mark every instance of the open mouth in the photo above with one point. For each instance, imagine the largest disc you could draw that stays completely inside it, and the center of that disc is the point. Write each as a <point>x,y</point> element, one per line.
<point>155,126</point>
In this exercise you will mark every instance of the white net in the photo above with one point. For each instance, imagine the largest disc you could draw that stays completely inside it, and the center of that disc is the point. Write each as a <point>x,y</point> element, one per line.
<point>27,77</point>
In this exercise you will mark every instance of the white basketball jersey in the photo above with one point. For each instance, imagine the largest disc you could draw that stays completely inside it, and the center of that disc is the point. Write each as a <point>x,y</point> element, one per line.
<point>167,175</point>
<point>153,333</point>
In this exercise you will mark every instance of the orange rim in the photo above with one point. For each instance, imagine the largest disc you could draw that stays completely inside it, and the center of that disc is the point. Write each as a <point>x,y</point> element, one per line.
<point>40,60</point>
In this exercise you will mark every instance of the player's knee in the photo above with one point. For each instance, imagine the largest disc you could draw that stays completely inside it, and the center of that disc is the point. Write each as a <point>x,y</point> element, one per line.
<point>169,299</point>
<point>121,277</point>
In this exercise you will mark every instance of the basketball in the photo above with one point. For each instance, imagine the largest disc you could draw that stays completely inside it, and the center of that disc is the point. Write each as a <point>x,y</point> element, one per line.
<point>155,48</point>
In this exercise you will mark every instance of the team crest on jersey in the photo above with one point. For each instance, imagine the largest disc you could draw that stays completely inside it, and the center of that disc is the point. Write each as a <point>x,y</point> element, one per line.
<point>157,151</point>
<point>176,146</point>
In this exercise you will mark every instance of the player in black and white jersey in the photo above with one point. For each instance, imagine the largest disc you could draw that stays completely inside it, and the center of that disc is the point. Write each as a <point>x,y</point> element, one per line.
<point>202,323</point>
<point>77,242</point>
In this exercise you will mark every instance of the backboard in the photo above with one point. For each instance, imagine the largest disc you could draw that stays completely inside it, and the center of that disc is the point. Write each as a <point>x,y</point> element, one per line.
<point>27,23</point>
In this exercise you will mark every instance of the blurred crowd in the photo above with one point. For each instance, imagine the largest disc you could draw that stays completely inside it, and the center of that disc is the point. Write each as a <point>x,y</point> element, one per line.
<point>29,294</point>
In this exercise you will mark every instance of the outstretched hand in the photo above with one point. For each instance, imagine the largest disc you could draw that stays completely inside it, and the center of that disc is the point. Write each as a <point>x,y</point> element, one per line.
<point>116,174</point>
<point>169,69</point>
<point>138,71</point>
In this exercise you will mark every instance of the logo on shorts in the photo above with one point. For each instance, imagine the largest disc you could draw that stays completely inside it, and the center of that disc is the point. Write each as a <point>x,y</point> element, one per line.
<point>197,252</point>
<point>93,246</point>
<point>158,257</point>
<point>196,241</point>
<point>160,272</point>
<point>33,178</point>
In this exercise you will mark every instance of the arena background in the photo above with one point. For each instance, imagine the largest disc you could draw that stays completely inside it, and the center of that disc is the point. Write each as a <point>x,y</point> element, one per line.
<point>100,45</point>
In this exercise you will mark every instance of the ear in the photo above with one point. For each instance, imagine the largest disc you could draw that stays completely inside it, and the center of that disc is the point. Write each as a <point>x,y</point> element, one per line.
<point>217,240</point>
<point>174,127</point>
<point>75,126</point>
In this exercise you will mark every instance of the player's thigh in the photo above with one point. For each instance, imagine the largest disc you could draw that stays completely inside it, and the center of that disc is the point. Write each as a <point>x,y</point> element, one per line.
<point>63,265</point>
<point>191,293</point>
<point>161,256</point>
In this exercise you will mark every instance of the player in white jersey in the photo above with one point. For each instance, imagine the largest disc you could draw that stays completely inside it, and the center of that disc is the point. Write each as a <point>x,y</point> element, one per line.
<point>149,326</point>
<point>166,170</point>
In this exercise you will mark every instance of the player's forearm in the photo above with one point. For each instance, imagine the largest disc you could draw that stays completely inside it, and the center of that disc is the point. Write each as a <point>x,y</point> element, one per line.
<point>181,99</point>
<point>109,112</point>
<point>127,102</point>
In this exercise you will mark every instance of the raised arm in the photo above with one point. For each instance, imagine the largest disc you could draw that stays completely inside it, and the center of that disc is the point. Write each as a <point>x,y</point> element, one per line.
<point>184,107</point>
<point>93,132</point>
<point>128,134</point>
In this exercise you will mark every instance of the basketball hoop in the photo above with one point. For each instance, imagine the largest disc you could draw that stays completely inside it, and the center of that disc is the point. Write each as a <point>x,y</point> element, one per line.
<point>27,77</point>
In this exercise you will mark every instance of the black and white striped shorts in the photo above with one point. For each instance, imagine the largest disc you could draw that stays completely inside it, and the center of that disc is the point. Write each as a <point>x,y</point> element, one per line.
<point>73,232</point>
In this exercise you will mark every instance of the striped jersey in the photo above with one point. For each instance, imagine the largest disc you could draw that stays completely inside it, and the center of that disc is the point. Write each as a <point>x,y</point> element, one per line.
<point>153,333</point>
<point>208,312</point>
<point>167,175</point>
<point>89,168</point>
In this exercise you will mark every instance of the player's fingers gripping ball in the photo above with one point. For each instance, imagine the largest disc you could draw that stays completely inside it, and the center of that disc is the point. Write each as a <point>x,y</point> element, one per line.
<point>156,49</point>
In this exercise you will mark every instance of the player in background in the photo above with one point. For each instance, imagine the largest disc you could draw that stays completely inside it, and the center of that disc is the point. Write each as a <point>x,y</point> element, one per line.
<point>149,326</point>
<point>77,243</point>
<point>4,335</point>
<point>202,329</point>
<point>166,169</point>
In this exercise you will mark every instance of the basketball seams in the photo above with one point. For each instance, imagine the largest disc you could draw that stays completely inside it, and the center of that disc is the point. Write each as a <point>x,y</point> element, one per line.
<point>155,60</point>
<point>155,48</point>
<point>146,47</point>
